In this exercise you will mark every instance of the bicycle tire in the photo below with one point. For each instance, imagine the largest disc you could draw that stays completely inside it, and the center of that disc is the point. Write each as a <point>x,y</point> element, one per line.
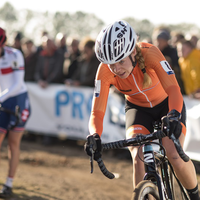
<point>144,188</point>
<point>178,190</point>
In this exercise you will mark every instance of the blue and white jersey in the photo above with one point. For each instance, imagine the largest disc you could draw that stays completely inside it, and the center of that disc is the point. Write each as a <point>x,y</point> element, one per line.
<point>11,74</point>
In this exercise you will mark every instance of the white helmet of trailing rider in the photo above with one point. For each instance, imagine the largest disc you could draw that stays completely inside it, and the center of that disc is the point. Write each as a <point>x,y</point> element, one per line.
<point>115,42</point>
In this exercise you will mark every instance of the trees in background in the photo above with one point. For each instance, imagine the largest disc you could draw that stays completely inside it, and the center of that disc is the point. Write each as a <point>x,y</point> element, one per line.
<point>79,24</point>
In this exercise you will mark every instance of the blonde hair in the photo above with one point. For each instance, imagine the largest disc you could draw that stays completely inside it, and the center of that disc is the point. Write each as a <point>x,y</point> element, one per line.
<point>140,59</point>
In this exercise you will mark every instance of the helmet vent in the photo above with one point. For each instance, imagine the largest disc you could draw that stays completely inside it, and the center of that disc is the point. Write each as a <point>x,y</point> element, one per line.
<point>120,57</point>
<point>127,48</point>
<point>104,49</point>
<point>132,44</point>
<point>109,52</point>
<point>118,46</point>
<point>109,36</point>
<point>130,34</point>
<point>104,40</point>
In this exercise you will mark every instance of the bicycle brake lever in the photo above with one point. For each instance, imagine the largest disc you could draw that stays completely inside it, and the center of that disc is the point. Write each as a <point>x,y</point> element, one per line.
<point>179,148</point>
<point>92,148</point>
<point>91,158</point>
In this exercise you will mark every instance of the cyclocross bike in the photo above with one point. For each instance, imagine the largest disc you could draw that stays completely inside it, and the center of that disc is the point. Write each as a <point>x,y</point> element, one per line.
<point>158,180</point>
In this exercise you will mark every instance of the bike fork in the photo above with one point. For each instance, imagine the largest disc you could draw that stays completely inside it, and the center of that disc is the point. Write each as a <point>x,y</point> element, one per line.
<point>151,171</point>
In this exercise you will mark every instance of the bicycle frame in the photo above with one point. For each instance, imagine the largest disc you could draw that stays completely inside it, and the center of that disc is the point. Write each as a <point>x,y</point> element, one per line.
<point>152,174</point>
<point>155,160</point>
<point>152,160</point>
<point>165,174</point>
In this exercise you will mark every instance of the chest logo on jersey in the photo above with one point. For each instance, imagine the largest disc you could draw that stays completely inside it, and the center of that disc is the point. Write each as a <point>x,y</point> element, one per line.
<point>126,90</point>
<point>165,65</point>
<point>14,64</point>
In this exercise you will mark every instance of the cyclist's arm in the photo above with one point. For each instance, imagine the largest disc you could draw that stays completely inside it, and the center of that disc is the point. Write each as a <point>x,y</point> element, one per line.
<point>96,122</point>
<point>102,85</point>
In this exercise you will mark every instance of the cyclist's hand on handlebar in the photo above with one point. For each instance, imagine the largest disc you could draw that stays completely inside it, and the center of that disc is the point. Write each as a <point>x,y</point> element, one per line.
<point>93,145</point>
<point>171,124</point>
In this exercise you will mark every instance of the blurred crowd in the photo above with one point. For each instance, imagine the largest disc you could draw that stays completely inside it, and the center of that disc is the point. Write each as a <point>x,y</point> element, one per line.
<point>72,61</point>
<point>59,60</point>
<point>183,54</point>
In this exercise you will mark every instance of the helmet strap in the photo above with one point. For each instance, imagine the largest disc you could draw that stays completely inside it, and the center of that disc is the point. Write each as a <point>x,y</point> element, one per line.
<point>133,62</point>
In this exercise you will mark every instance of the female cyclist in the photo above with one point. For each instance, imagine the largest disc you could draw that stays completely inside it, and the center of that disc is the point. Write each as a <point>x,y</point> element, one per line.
<point>142,74</point>
<point>13,92</point>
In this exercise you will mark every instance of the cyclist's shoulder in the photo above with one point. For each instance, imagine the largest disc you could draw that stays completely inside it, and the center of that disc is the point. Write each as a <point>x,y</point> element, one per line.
<point>10,51</point>
<point>105,75</point>
<point>144,45</point>
<point>151,53</point>
<point>104,71</point>
<point>147,47</point>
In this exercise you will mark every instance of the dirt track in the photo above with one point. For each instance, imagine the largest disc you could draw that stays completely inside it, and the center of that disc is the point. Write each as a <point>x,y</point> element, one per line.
<point>61,171</point>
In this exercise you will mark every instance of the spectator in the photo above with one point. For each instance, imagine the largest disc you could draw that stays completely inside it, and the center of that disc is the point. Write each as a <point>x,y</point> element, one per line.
<point>190,67</point>
<point>61,43</point>
<point>30,56</point>
<point>18,41</point>
<point>49,67</point>
<point>71,64</point>
<point>194,40</point>
<point>161,39</point>
<point>39,48</point>
<point>87,67</point>
<point>176,37</point>
<point>13,92</point>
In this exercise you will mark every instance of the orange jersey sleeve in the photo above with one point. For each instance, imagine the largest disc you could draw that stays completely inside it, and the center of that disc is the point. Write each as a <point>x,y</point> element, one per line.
<point>104,78</point>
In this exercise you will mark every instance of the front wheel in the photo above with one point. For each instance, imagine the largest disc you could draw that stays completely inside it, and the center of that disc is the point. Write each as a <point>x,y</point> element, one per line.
<point>144,190</point>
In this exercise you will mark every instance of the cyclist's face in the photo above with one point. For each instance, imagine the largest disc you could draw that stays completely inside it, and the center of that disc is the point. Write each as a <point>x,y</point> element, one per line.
<point>123,68</point>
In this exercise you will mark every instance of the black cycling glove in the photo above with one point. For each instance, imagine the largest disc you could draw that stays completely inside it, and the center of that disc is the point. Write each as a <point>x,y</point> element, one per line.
<point>93,143</point>
<point>171,124</point>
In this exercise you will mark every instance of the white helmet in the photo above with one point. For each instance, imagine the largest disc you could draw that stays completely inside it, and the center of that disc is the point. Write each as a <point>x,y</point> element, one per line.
<point>115,42</point>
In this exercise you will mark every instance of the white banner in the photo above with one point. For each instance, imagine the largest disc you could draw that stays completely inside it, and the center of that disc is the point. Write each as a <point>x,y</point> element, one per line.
<point>64,111</point>
<point>192,140</point>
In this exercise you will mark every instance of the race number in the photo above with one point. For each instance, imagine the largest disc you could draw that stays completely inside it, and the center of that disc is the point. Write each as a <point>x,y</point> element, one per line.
<point>165,65</point>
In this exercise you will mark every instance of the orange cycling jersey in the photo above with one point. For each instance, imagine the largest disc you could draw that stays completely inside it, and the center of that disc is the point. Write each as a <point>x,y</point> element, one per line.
<point>163,85</point>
